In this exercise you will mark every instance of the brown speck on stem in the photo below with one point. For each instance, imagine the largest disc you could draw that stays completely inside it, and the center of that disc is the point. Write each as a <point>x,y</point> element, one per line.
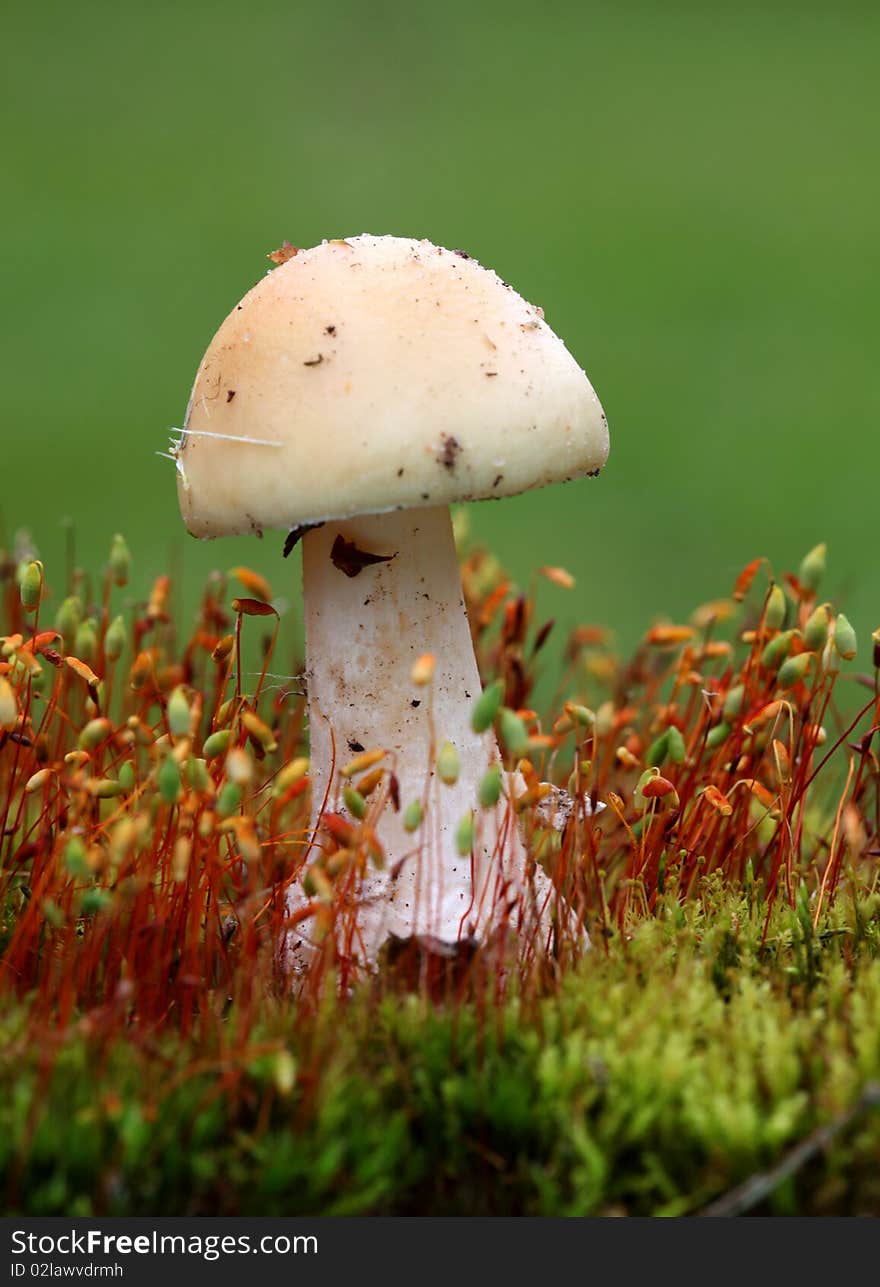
<point>230,394</point>
<point>497,480</point>
<point>284,252</point>
<point>346,556</point>
<point>330,330</point>
<point>316,361</point>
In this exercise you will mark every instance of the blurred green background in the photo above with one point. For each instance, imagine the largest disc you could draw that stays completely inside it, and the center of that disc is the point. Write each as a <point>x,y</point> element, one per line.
<point>689,190</point>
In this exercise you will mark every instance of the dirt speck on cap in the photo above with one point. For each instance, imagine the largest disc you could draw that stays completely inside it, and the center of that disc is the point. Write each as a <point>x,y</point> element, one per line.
<point>284,252</point>
<point>449,451</point>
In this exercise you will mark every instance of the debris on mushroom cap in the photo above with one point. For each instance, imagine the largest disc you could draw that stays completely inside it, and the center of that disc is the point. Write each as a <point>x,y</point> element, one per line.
<point>284,252</point>
<point>360,375</point>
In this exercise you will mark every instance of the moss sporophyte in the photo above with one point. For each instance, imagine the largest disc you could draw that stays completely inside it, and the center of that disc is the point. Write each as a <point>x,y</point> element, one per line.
<point>700,755</point>
<point>156,813</point>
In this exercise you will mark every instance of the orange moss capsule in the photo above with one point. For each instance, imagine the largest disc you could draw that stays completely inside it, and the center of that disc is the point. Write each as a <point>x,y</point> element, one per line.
<point>255,584</point>
<point>339,862</point>
<point>423,669</point>
<point>253,608</point>
<point>782,761</point>
<point>659,788</point>
<point>142,668</point>
<point>37,780</point>
<point>339,829</point>
<point>718,800</point>
<point>83,671</point>
<point>291,774</point>
<point>766,714</point>
<point>745,579</point>
<point>259,732</point>
<point>158,600</point>
<point>710,614</point>
<point>760,792</point>
<point>368,783</point>
<point>533,796</point>
<point>365,760</point>
<point>559,576</point>
<point>8,705</point>
<point>223,648</point>
<point>668,636</point>
<point>492,604</point>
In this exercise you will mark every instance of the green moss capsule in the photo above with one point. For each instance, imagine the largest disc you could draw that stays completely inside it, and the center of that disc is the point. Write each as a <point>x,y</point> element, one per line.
<point>777,650</point>
<point>489,790</point>
<point>816,629</point>
<point>777,606</point>
<point>114,639</point>
<point>105,789</point>
<point>85,641</point>
<point>718,735</point>
<point>448,764</point>
<point>127,777</point>
<point>169,780</point>
<point>812,568</point>
<point>94,733</point>
<point>514,732</point>
<point>68,618</point>
<point>464,835</point>
<point>179,713</point>
<point>658,750</point>
<point>75,857</point>
<point>197,773</point>
<point>354,802</point>
<point>412,816</point>
<point>228,799</point>
<point>486,707</point>
<point>94,901</point>
<point>675,746</point>
<point>733,701</point>
<point>845,640</point>
<point>217,743</point>
<point>120,560</point>
<point>31,586</point>
<point>794,669</point>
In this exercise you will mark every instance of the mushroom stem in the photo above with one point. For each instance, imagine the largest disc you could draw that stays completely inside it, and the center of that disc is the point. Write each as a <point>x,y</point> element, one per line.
<point>366,624</point>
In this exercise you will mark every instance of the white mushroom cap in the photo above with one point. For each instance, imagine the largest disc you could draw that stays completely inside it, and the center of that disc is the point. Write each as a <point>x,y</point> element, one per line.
<point>374,374</point>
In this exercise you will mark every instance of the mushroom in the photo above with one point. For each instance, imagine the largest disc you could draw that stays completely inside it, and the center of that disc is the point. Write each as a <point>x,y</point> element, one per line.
<point>356,392</point>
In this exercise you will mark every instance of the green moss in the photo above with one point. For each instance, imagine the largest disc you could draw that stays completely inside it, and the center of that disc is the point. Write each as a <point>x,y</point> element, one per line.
<point>655,1077</point>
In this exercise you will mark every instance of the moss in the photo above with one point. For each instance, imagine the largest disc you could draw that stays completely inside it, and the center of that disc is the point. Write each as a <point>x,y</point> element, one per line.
<point>637,1086</point>
<point>152,1061</point>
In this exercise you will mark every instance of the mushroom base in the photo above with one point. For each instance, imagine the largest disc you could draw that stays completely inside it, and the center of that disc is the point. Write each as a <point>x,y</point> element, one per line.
<point>367,622</point>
